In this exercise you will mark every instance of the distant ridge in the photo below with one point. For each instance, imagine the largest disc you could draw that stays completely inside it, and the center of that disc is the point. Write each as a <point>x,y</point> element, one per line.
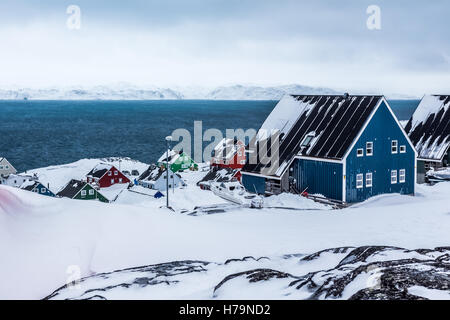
<point>131,92</point>
<point>125,91</point>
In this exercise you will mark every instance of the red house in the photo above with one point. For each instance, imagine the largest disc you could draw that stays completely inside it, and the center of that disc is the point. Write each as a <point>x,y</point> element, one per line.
<point>229,153</point>
<point>106,175</point>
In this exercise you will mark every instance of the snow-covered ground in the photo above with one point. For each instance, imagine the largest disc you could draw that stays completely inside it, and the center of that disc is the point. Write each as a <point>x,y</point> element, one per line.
<point>45,241</point>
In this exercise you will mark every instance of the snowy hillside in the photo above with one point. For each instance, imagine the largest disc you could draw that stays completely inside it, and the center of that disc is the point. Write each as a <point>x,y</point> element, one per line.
<point>56,177</point>
<point>131,92</point>
<point>53,240</point>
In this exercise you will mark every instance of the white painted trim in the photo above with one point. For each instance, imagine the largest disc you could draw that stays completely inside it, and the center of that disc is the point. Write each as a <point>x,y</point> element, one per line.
<point>318,159</point>
<point>261,175</point>
<point>428,160</point>
<point>344,180</point>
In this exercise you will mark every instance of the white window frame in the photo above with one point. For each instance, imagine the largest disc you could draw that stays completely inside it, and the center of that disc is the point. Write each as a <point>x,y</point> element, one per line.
<point>110,173</point>
<point>394,176</point>
<point>369,177</point>
<point>116,173</point>
<point>112,181</point>
<point>43,190</point>
<point>91,192</point>
<point>359,181</point>
<point>403,149</point>
<point>394,146</point>
<point>402,176</point>
<point>83,193</point>
<point>369,148</point>
<point>358,154</point>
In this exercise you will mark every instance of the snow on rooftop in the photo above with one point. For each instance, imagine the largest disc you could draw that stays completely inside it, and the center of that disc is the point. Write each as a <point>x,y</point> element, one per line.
<point>429,127</point>
<point>283,116</point>
<point>428,105</point>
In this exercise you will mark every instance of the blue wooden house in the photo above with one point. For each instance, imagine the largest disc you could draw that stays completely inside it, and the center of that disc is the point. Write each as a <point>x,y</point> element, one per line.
<point>346,148</point>
<point>37,187</point>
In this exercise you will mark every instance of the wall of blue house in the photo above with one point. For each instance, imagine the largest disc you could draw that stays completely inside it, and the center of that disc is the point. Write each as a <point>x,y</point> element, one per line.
<point>318,177</point>
<point>381,130</point>
<point>41,189</point>
<point>254,184</point>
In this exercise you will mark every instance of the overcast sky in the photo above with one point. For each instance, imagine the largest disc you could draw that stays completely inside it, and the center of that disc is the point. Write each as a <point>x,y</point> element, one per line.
<point>212,42</point>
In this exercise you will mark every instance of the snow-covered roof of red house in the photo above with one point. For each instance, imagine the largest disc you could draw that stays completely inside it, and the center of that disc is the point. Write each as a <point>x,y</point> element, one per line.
<point>100,170</point>
<point>429,127</point>
<point>227,148</point>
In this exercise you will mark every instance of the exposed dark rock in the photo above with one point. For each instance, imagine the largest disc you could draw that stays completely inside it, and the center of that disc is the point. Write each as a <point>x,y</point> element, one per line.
<point>369,273</point>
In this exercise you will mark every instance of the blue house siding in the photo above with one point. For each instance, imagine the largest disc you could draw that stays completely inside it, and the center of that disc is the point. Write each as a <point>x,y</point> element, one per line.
<point>254,184</point>
<point>381,130</point>
<point>41,189</point>
<point>318,177</point>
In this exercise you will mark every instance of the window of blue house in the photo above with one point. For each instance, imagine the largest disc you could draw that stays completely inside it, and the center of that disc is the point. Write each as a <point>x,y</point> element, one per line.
<point>360,152</point>
<point>403,149</point>
<point>393,176</point>
<point>359,181</point>
<point>369,148</point>
<point>369,179</point>
<point>394,146</point>
<point>402,176</point>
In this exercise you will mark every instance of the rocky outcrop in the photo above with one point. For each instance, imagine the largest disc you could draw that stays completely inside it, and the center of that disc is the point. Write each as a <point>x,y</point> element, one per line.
<point>369,273</point>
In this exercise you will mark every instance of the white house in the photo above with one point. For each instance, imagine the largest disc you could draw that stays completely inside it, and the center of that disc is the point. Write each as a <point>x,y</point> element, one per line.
<point>6,168</point>
<point>155,178</point>
<point>17,180</point>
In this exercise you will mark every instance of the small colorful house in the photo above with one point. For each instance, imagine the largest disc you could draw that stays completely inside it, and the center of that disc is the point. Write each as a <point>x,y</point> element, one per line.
<point>81,190</point>
<point>229,153</point>
<point>37,187</point>
<point>429,131</point>
<point>6,168</point>
<point>178,161</point>
<point>347,148</point>
<point>105,175</point>
<point>155,178</point>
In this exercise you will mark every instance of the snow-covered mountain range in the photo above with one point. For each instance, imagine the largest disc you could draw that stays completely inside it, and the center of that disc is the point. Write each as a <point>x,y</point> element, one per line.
<point>132,92</point>
<point>126,91</point>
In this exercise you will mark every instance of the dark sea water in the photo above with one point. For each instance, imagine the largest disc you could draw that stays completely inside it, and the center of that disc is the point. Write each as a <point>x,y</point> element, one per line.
<point>41,133</point>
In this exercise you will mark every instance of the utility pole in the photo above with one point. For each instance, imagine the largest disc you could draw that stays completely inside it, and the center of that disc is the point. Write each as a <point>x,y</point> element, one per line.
<point>168,139</point>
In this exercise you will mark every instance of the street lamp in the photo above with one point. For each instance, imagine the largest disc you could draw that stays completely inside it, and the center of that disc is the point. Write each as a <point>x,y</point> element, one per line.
<point>168,140</point>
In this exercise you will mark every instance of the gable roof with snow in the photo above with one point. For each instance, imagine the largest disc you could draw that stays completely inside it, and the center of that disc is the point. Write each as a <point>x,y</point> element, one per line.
<point>100,170</point>
<point>153,173</point>
<point>219,175</point>
<point>429,127</point>
<point>29,185</point>
<point>72,188</point>
<point>227,148</point>
<point>332,121</point>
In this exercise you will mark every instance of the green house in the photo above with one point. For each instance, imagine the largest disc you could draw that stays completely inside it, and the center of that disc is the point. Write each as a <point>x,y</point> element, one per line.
<point>81,190</point>
<point>178,161</point>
